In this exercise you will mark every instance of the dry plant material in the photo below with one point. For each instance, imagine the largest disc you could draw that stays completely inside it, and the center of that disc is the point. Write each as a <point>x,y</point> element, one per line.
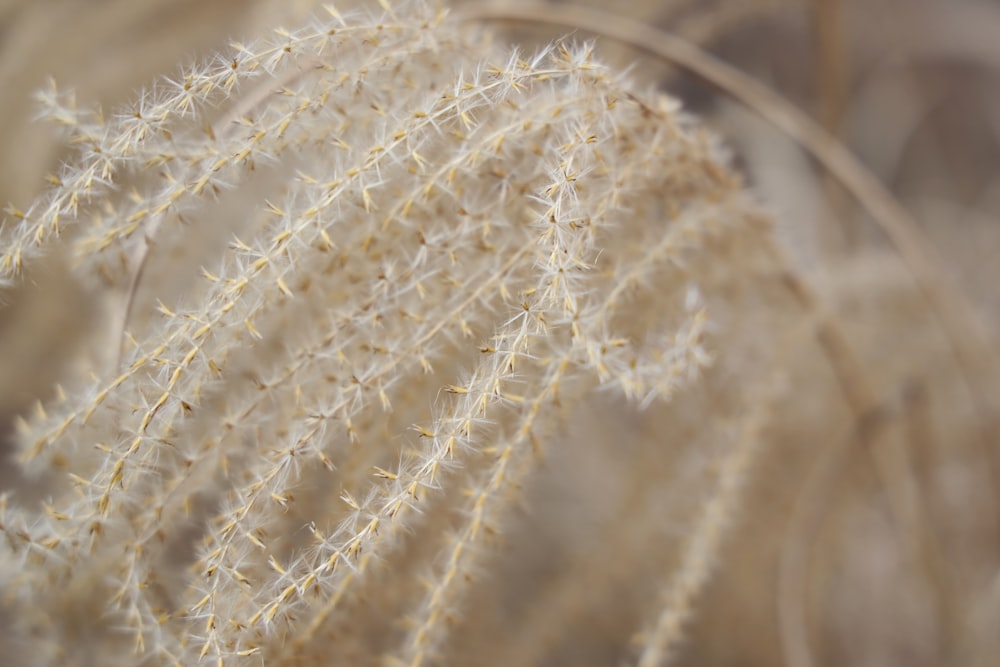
<point>447,248</point>
<point>361,279</point>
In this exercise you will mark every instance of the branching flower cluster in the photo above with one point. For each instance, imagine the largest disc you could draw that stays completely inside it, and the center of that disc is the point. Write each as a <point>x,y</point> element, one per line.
<point>356,278</point>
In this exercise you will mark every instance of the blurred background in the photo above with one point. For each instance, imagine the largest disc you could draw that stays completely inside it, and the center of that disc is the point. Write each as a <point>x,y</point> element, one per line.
<point>851,567</point>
